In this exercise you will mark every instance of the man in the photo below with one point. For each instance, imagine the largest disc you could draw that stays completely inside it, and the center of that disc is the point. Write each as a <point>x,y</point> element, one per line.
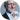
<point>10,7</point>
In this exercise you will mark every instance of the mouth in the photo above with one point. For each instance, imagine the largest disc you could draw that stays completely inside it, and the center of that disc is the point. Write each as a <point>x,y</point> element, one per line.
<point>12,8</point>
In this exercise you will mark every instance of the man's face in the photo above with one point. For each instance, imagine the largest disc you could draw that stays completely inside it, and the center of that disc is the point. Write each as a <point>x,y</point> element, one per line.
<point>11,6</point>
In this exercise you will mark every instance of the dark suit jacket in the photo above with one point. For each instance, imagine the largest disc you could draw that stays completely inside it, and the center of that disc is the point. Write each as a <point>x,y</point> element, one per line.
<point>5,16</point>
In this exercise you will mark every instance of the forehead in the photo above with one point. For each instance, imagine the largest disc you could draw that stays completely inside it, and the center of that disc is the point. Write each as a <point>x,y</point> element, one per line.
<point>11,1</point>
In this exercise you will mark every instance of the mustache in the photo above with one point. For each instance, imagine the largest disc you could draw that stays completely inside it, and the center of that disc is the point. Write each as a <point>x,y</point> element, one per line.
<point>12,8</point>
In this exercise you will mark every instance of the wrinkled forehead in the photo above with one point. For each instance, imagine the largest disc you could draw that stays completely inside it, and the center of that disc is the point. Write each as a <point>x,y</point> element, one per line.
<point>11,1</point>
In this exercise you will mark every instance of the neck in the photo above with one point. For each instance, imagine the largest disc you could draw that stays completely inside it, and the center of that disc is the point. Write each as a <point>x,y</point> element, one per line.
<point>8,11</point>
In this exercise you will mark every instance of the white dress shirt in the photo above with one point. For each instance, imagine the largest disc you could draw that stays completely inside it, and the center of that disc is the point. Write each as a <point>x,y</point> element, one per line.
<point>9,15</point>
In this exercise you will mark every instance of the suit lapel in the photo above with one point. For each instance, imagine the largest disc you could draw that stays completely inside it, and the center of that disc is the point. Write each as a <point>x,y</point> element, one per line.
<point>5,16</point>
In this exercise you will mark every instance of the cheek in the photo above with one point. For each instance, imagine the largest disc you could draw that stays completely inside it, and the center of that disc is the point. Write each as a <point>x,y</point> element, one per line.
<point>9,6</point>
<point>14,6</point>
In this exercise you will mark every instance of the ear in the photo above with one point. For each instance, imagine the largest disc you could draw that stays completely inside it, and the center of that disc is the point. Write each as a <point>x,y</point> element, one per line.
<point>5,6</point>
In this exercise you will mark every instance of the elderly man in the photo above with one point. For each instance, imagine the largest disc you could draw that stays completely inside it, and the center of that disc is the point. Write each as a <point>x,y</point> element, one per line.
<point>10,7</point>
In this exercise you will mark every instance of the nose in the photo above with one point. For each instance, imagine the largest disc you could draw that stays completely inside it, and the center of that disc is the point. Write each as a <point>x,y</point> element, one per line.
<point>12,5</point>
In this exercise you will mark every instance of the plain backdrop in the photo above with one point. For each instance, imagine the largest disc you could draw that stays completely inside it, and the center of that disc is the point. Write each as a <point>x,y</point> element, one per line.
<point>3,10</point>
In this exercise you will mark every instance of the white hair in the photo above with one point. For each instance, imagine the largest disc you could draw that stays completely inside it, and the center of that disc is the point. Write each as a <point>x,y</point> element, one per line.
<point>5,1</point>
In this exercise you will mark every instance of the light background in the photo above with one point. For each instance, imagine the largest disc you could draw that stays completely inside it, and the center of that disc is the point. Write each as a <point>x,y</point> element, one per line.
<point>3,10</point>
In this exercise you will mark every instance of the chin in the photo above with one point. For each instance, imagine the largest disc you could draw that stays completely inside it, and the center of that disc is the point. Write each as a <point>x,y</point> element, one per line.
<point>11,11</point>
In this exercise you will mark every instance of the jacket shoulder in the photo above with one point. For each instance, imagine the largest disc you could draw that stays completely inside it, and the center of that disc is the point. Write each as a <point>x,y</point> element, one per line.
<point>3,16</point>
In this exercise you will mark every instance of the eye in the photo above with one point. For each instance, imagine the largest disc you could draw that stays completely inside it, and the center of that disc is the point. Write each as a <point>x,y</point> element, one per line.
<point>9,4</point>
<point>13,4</point>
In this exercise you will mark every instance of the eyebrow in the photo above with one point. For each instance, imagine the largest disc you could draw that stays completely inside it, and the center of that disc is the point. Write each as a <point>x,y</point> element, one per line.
<point>11,3</point>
